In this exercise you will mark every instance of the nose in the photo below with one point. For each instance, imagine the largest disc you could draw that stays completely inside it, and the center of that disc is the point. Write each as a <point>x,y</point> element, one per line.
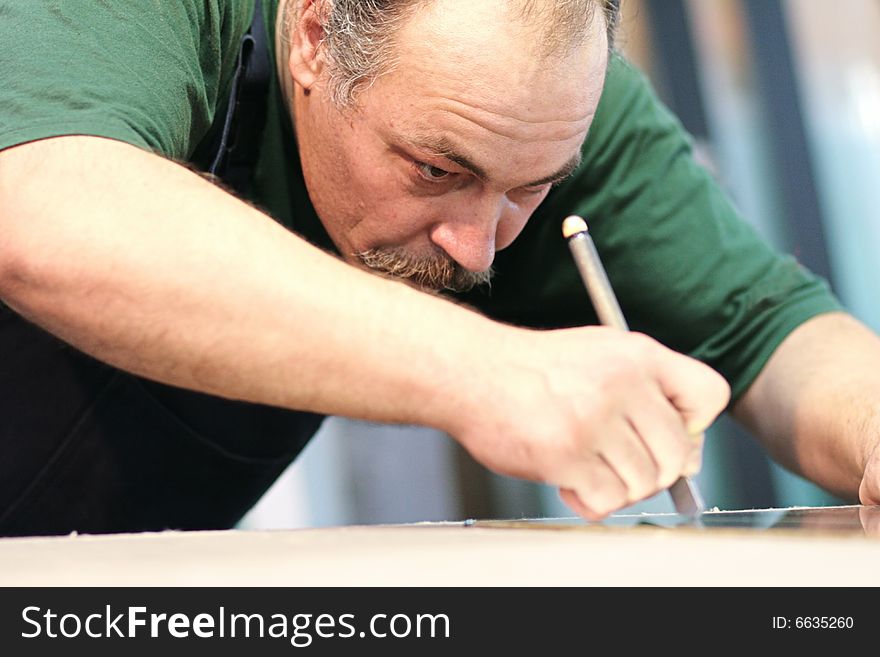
<point>469,235</point>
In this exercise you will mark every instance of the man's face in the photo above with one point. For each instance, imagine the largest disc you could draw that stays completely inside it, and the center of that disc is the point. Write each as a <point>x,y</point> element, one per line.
<point>445,158</point>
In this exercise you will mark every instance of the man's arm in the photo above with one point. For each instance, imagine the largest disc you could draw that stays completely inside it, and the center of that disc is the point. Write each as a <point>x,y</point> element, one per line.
<point>146,266</point>
<point>816,406</point>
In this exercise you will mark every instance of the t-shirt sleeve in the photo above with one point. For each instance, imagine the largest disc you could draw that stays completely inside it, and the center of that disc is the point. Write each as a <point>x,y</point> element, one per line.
<point>147,73</point>
<point>686,268</point>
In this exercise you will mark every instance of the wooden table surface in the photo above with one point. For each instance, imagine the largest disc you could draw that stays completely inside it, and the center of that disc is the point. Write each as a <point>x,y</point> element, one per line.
<point>527,553</point>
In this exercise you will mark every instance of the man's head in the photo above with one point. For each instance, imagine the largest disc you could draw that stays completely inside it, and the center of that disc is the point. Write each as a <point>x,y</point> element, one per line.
<point>430,130</point>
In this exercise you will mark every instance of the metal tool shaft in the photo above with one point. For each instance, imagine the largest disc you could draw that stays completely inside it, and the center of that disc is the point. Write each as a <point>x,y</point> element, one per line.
<point>684,492</point>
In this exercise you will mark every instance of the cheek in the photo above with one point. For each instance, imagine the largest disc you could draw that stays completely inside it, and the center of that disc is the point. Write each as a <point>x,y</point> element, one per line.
<point>392,217</point>
<point>383,209</point>
<point>515,219</point>
<point>367,190</point>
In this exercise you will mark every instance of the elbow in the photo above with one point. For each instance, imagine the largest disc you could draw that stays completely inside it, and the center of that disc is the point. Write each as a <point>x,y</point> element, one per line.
<point>26,267</point>
<point>13,223</point>
<point>29,245</point>
<point>10,264</point>
<point>13,272</point>
<point>40,227</point>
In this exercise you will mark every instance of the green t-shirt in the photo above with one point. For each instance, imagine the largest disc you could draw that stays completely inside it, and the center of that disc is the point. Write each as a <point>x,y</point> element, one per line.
<point>687,270</point>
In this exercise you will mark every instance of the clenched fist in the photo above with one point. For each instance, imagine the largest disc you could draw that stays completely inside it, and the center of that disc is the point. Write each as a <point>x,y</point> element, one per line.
<point>609,417</point>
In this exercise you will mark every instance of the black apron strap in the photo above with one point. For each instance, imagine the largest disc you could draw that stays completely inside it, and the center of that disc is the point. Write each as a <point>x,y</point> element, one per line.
<point>232,146</point>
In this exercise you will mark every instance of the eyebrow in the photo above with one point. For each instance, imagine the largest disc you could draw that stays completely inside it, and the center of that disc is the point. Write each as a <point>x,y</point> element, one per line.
<point>441,146</point>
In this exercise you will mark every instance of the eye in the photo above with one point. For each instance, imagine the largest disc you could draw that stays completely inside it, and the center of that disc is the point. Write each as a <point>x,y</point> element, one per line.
<point>537,189</point>
<point>432,173</point>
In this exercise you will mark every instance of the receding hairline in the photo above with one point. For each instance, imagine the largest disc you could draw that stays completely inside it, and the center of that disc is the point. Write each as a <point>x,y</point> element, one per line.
<point>526,10</point>
<point>357,59</point>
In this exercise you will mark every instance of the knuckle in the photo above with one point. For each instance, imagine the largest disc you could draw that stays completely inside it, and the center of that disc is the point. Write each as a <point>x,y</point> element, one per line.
<point>716,392</point>
<point>672,456</point>
<point>642,490</point>
<point>598,507</point>
<point>640,481</point>
<point>623,375</point>
<point>607,499</point>
<point>642,341</point>
<point>573,447</point>
<point>666,479</point>
<point>668,472</point>
<point>645,349</point>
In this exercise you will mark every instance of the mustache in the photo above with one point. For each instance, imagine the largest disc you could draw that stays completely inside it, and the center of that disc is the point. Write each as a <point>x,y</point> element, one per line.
<point>437,273</point>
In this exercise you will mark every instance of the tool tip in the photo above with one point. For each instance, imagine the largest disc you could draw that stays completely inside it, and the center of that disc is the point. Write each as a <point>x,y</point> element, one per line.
<point>573,225</point>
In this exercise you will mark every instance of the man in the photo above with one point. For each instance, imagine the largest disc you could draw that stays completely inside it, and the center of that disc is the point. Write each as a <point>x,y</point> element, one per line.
<point>418,139</point>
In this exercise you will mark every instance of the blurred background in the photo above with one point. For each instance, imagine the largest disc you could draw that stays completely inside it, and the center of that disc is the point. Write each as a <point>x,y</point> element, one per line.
<point>783,100</point>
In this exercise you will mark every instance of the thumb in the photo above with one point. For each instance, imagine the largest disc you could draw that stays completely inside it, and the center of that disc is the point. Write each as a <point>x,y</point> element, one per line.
<point>698,392</point>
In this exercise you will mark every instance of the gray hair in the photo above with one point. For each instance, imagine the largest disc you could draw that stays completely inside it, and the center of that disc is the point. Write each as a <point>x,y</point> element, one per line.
<point>359,34</point>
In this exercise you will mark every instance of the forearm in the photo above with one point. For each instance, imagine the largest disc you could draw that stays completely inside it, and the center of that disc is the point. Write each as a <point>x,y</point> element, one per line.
<point>816,405</point>
<point>144,265</point>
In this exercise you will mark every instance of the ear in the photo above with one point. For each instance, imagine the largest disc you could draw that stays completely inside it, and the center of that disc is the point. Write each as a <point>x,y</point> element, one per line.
<point>306,60</point>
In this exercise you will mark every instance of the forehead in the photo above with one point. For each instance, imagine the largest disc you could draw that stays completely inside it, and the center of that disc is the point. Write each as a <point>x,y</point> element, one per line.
<point>469,66</point>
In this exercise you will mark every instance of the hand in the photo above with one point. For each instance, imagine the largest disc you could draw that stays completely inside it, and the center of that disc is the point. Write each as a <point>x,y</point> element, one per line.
<point>869,490</point>
<point>869,516</point>
<point>608,416</point>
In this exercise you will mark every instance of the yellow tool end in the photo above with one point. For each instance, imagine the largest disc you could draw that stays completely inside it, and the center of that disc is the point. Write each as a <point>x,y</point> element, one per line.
<point>573,225</point>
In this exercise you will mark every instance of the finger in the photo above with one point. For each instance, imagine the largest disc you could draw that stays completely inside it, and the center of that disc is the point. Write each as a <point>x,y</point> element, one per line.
<point>869,489</point>
<point>661,429</point>
<point>573,502</point>
<point>628,455</point>
<point>697,391</point>
<point>869,516</point>
<point>571,499</point>
<point>598,488</point>
<point>694,462</point>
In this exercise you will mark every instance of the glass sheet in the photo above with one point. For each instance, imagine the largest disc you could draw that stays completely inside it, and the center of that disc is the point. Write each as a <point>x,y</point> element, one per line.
<point>840,520</point>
